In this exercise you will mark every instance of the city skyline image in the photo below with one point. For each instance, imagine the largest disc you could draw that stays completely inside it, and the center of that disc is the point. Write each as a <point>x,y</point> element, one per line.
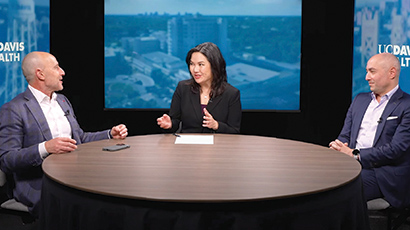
<point>145,54</point>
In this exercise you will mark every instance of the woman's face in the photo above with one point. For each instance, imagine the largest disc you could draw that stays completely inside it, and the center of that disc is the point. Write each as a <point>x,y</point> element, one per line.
<point>200,69</point>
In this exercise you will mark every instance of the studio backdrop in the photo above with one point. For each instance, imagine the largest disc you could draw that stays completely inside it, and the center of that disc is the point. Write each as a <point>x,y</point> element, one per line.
<point>381,26</point>
<point>146,43</point>
<point>24,27</point>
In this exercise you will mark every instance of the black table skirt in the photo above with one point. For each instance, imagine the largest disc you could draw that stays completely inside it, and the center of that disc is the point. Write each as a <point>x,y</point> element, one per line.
<point>67,208</point>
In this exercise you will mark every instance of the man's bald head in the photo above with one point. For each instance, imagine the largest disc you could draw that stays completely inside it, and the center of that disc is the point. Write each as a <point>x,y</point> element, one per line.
<point>388,61</point>
<point>32,62</point>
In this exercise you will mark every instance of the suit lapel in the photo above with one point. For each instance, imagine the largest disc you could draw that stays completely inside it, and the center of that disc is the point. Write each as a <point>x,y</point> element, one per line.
<point>213,103</point>
<point>34,107</point>
<point>391,105</point>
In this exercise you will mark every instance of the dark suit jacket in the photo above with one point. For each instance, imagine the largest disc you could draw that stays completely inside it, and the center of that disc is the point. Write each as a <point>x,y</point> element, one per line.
<point>22,127</point>
<point>186,108</point>
<point>390,154</point>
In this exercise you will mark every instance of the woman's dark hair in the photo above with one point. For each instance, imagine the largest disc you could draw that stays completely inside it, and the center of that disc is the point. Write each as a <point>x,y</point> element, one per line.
<point>218,68</point>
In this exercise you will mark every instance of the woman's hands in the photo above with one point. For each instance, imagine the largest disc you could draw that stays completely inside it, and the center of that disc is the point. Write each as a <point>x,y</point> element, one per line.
<point>209,121</point>
<point>164,121</point>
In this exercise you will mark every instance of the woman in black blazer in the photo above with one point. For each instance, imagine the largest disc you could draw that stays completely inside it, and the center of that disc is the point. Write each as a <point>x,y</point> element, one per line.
<point>206,103</point>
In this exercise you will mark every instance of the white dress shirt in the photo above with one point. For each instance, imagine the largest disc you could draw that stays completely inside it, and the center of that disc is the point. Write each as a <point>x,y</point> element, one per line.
<point>55,116</point>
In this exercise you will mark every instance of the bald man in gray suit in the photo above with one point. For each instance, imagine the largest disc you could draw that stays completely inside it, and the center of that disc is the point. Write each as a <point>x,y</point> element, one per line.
<point>39,122</point>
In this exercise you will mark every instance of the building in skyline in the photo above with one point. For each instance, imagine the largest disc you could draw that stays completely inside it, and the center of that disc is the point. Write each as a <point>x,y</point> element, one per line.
<point>185,32</point>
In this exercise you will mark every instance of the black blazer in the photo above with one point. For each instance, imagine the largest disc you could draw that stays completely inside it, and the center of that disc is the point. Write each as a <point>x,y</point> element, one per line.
<point>186,108</point>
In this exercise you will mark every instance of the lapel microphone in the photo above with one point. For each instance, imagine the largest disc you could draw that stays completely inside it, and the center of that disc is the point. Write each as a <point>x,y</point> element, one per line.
<point>380,120</point>
<point>67,113</point>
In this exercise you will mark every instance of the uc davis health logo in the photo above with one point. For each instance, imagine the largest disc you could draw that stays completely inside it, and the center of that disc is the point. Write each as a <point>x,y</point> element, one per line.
<point>10,51</point>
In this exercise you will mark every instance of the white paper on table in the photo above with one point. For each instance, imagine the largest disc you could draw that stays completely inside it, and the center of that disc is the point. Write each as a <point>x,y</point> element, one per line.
<point>195,139</point>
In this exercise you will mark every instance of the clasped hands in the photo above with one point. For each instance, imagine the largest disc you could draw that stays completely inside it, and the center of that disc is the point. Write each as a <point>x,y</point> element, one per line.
<point>209,122</point>
<point>60,145</point>
<point>341,147</point>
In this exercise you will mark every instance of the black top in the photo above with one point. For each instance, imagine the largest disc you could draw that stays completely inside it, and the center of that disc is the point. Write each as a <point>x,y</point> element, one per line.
<point>186,108</point>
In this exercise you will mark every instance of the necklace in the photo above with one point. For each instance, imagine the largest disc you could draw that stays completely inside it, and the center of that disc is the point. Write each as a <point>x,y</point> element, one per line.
<point>205,95</point>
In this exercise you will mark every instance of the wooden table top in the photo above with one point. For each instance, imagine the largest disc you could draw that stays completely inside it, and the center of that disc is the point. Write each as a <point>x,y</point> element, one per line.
<point>234,168</point>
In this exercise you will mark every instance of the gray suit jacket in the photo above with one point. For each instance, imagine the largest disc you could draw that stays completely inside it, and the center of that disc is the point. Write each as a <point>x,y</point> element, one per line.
<point>23,127</point>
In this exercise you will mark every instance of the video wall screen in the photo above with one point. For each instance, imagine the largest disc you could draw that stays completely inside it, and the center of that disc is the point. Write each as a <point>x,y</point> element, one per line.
<point>146,43</point>
<point>380,27</point>
<point>24,27</point>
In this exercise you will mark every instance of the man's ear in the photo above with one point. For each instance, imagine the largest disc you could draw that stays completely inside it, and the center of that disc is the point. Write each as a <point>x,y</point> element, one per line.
<point>393,73</point>
<point>40,74</point>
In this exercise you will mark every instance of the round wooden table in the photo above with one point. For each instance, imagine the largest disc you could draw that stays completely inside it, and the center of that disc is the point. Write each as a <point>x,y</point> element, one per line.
<point>239,182</point>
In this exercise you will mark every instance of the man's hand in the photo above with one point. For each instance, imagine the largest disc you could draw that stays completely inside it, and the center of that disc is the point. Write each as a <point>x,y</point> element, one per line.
<point>341,147</point>
<point>119,132</point>
<point>60,145</point>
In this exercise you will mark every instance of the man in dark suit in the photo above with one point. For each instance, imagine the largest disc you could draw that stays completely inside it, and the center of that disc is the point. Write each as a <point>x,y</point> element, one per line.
<point>376,132</point>
<point>39,122</point>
